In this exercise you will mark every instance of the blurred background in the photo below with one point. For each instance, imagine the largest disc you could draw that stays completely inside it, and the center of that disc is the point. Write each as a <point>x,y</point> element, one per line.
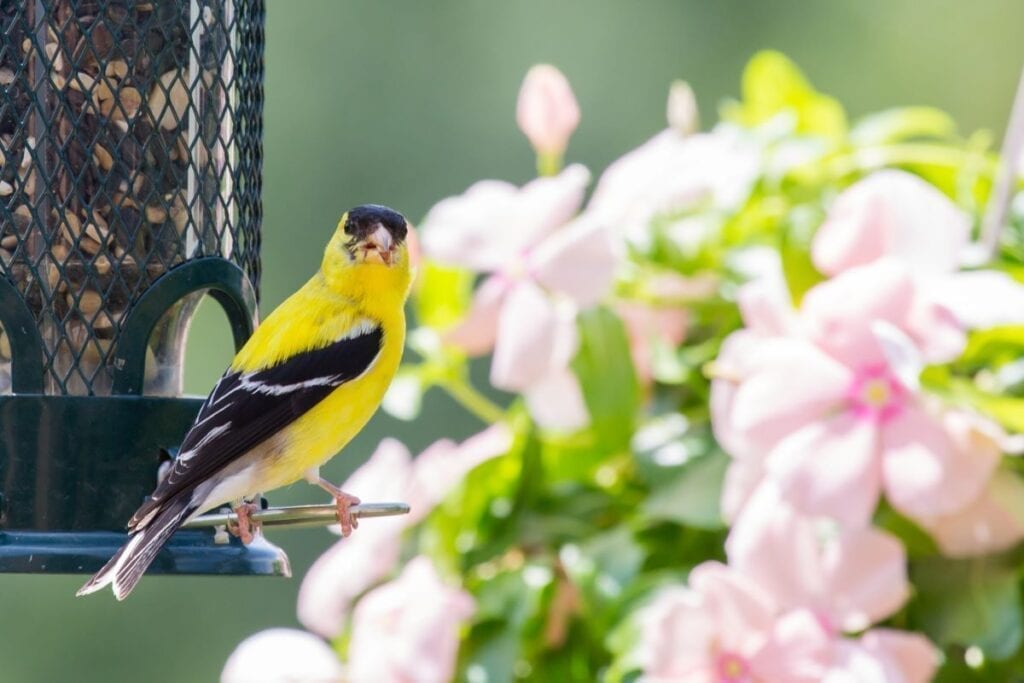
<point>404,103</point>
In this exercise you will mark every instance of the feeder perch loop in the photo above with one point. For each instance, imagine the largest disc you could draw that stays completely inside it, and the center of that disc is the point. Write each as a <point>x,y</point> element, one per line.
<point>300,516</point>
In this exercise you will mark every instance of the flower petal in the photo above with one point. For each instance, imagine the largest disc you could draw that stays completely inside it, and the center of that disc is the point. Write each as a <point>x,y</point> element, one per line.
<point>534,338</point>
<point>911,654</point>
<point>494,224</point>
<point>766,305</point>
<point>280,655</point>
<point>866,577</point>
<point>782,384</point>
<point>830,468</point>
<point>935,465</point>
<point>981,299</point>
<point>459,230</point>
<point>439,469</point>
<point>743,612</point>
<point>671,172</point>
<point>850,578</point>
<point>741,481</point>
<point>797,651</point>
<point>677,636</point>
<point>408,629</point>
<point>556,402</point>
<point>579,261</point>
<point>993,522</point>
<point>892,213</point>
<point>477,333</point>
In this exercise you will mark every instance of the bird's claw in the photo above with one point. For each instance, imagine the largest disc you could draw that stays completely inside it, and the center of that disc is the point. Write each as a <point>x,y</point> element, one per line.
<point>347,520</point>
<point>245,528</point>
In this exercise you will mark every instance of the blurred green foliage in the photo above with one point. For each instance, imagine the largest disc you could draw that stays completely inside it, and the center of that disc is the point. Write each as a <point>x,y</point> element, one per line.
<point>404,103</point>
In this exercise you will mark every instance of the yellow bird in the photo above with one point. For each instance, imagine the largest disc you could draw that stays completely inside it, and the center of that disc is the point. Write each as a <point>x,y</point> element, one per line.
<point>301,388</point>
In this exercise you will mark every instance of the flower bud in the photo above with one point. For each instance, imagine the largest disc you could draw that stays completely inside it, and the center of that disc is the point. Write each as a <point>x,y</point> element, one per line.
<point>547,111</point>
<point>682,108</point>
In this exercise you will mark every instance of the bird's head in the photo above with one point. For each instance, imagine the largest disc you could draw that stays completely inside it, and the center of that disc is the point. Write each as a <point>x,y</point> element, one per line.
<point>369,250</point>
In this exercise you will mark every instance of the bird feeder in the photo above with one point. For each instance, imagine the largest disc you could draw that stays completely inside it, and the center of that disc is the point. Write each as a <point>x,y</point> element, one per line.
<point>130,161</point>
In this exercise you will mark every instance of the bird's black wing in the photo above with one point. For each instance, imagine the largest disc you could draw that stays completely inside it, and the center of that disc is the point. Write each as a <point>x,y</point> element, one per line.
<point>245,409</point>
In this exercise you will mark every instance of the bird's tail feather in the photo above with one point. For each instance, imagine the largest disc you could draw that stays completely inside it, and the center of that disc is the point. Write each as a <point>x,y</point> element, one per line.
<point>129,563</point>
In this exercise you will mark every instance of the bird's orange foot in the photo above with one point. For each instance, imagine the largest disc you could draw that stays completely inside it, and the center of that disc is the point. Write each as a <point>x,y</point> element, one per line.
<point>347,520</point>
<point>246,527</point>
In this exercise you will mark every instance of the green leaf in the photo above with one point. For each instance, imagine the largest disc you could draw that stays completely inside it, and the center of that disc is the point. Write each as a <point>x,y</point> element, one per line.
<point>442,295</point>
<point>994,347</point>
<point>693,497</point>
<point>969,602</point>
<point>603,567</point>
<point>479,520</point>
<point>916,541</point>
<point>795,250</point>
<point>772,85</point>
<point>511,607</point>
<point>605,370</point>
<point>903,123</point>
<point>1008,411</point>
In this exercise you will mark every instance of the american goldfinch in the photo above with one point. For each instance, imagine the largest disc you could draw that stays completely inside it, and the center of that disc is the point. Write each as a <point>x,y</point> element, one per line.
<point>301,388</point>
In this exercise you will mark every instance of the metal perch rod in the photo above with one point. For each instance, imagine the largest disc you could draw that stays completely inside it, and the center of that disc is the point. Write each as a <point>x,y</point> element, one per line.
<point>300,515</point>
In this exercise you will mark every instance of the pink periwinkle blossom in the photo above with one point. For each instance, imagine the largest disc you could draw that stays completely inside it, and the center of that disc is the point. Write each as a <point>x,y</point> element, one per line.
<point>356,563</point>
<point>849,578</point>
<point>883,655</point>
<point>671,174</point>
<point>283,655</point>
<point>723,628</point>
<point>824,401</point>
<point>541,267</point>
<point>407,630</point>
<point>894,214</point>
<point>994,520</point>
<point>547,111</point>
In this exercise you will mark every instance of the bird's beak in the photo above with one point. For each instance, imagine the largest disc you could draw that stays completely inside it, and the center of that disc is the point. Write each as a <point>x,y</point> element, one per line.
<point>379,245</point>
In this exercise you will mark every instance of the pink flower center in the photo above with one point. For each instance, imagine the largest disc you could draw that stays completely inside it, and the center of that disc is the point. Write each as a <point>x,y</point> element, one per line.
<point>875,394</point>
<point>732,668</point>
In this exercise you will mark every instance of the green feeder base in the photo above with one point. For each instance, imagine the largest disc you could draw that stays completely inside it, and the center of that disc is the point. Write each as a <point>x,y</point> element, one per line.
<point>188,552</point>
<point>73,469</point>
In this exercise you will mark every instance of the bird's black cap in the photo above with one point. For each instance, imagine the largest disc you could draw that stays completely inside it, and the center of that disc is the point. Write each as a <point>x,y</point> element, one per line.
<point>363,220</point>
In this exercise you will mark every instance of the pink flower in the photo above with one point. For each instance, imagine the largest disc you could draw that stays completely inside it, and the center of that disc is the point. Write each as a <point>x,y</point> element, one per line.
<point>883,655</point>
<point>354,564</point>
<point>282,655</point>
<point>895,214</point>
<point>541,269</point>
<point>670,174</point>
<point>723,628</point>
<point>892,213</point>
<point>547,111</point>
<point>994,520</point>
<point>407,631</point>
<point>779,611</point>
<point>848,578</point>
<point>826,399</point>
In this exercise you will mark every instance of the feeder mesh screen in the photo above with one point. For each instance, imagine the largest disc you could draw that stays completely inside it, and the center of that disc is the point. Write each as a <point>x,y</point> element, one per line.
<point>130,142</point>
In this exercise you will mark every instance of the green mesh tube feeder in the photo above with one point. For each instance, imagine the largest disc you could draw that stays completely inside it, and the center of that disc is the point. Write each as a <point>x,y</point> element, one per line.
<point>130,135</point>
